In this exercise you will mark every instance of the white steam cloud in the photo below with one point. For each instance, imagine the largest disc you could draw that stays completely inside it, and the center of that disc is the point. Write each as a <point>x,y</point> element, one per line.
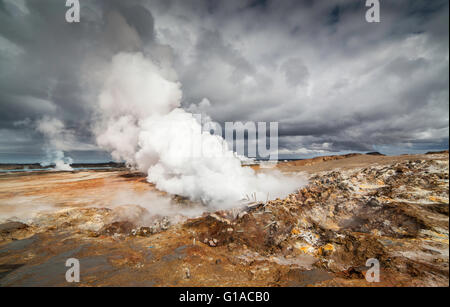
<point>143,124</point>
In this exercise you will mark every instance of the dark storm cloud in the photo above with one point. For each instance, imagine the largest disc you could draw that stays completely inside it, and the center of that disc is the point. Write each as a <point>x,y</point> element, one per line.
<point>334,82</point>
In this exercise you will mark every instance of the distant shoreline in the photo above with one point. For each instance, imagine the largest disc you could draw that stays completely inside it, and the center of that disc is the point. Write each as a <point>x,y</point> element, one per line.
<point>75,166</point>
<point>17,167</point>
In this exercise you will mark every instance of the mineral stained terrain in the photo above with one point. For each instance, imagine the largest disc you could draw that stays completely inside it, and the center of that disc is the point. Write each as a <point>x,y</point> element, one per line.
<point>355,208</point>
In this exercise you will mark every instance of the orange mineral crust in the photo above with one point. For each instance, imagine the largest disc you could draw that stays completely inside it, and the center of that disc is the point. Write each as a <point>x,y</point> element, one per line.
<point>127,233</point>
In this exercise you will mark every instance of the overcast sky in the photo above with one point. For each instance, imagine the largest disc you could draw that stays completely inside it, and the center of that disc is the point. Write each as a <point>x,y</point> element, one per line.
<point>334,82</point>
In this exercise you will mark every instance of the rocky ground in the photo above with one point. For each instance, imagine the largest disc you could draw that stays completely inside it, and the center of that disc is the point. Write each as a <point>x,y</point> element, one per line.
<point>356,207</point>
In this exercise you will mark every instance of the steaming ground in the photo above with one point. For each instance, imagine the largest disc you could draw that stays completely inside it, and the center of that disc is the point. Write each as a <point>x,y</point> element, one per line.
<point>26,197</point>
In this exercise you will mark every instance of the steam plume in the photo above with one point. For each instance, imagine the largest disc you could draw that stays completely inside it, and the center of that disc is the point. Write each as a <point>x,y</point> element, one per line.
<point>143,124</point>
<point>55,135</point>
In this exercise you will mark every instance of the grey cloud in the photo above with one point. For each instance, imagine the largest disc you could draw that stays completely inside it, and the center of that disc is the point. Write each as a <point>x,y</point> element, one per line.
<point>316,67</point>
<point>296,72</point>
